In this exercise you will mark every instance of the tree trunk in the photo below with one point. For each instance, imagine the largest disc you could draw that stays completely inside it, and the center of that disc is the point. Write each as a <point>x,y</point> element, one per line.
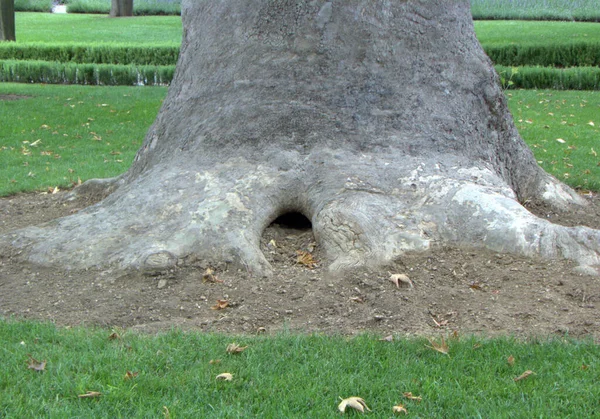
<point>7,20</point>
<point>382,122</point>
<point>121,8</point>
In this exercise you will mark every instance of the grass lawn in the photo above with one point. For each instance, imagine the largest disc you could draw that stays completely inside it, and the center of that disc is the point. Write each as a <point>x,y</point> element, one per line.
<point>96,29</point>
<point>66,133</point>
<point>288,376</point>
<point>61,134</point>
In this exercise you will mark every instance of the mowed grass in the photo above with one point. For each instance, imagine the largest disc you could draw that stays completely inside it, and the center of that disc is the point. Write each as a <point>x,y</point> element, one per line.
<point>288,376</point>
<point>95,29</point>
<point>54,136</point>
<point>62,134</point>
<point>536,9</point>
<point>492,32</point>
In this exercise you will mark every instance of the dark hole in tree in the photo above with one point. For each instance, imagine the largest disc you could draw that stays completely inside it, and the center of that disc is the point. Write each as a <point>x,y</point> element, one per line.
<point>293,220</point>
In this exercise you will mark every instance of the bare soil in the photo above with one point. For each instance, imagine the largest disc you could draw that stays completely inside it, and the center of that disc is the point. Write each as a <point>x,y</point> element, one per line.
<point>453,289</point>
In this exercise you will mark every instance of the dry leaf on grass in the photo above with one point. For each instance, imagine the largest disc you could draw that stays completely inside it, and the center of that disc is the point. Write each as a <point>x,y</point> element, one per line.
<point>306,259</point>
<point>410,396</point>
<point>166,412</point>
<point>214,361</point>
<point>225,376</point>
<point>439,347</point>
<point>354,403</point>
<point>114,336</point>
<point>221,304</point>
<point>398,409</point>
<point>129,375</point>
<point>511,360</point>
<point>403,279</point>
<point>34,364</point>
<point>524,375</point>
<point>389,338</point>
<point>90,395</point>
<point>234,348</point>
<point>209,276</point>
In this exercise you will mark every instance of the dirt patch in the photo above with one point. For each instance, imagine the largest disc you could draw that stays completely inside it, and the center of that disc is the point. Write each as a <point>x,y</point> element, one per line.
<point>8,97</point>
<point>470,291</point>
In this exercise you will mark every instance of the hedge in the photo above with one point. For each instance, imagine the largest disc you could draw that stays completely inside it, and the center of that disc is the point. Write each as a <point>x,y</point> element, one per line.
<point>91,74</point>
<point>94,54</point>
<point>578,54</point>
<point>528,77</point>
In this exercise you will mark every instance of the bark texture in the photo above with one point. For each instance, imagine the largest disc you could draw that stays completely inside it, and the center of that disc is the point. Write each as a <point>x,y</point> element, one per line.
<point>121,8</point>
<point>7,20</point>
<point>381,121</point>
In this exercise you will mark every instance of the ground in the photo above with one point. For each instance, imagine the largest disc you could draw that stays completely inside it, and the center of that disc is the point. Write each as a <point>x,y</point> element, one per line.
<point>464,290</point>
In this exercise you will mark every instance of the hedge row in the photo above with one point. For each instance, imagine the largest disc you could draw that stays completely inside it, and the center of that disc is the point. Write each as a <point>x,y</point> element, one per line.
<point>573,55</point>
<point>91,74</point>
<point>140,7</point>
<point>100,54</point>
<point>528,77</point>
<point>578,54</point>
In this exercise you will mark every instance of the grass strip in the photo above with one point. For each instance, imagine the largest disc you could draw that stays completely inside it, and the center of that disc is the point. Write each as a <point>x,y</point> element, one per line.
<point>580,10</point>
<point>288,375</point>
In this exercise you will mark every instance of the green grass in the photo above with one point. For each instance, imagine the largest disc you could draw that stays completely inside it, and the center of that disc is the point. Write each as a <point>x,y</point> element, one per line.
<point>68,150</point>
<point>536,9</point>
<point>495,33</point>
<point>65,133</point>
<point>563,130</point>
<point>94,29</point>
<point>288,376</point>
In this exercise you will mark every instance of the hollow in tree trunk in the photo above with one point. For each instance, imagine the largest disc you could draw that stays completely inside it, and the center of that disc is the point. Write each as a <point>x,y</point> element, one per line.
<point>381,121</point>
<point>7,20</point>
<point>121,8</point>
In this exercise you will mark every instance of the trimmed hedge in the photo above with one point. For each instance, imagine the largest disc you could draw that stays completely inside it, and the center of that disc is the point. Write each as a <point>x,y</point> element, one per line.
<point>140,7</point>
<point>578,54</point>
<point>100,54</point>
<point>91,74</point>
<point>33,5</point>
<point>574,78</point>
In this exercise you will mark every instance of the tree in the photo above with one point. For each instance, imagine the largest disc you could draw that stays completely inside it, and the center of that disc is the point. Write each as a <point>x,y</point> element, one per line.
<point>121,8</point>
<point>7,20</point>
<point>382,122</point>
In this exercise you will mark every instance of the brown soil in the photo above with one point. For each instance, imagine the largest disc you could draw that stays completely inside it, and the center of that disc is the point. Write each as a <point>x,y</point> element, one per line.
<point>470,291</point>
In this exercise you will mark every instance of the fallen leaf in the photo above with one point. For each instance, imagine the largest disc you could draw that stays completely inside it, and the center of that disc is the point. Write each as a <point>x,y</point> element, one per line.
<point>129,375</point>
<point>36,365</point>
<point>90,395</point>
<point>114,336</point>
<point>560,140</point>
<point>221,304</point>
<point>584,367</point>
<point>511,360</point>
<point>475,286</point>
<point>439,347</point>
<point>591,123</point>
<point>166,412</point>
<point>398,279</point>
<point>261,330</point>
<point>234,348</point>
<point>225,376</point>
<point>306,259</point>
<point>354,403</point>
<point>524,375</point>
<point>410,396</point>
<point>398,409</point>
<point>359,300</point>
<point>214,361</point>
<point>209,276</point>
<point>389,338</point>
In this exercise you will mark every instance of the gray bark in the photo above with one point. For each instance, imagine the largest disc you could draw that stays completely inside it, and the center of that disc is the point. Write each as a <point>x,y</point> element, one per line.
<point>382,122</point>
<point>121,8</point>
<point>7,20</point>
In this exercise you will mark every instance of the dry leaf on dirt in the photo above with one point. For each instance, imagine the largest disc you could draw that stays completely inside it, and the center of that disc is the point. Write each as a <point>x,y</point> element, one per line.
<point>403,279</point>
<point>400,409</point>
<point>221,304</point>
<point>129,375</point>
<point>353,402</point>
<point>209,276</point>
<point>439,347</point>
<point>511,360</point>
<point>524,375</point>
<point>476,286</point>
<point>36,365</point>
<point>225,376</point>
<point>410,396</point>
<point>306,259</point>
<point>234,348</point>
<point>90,395</point>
